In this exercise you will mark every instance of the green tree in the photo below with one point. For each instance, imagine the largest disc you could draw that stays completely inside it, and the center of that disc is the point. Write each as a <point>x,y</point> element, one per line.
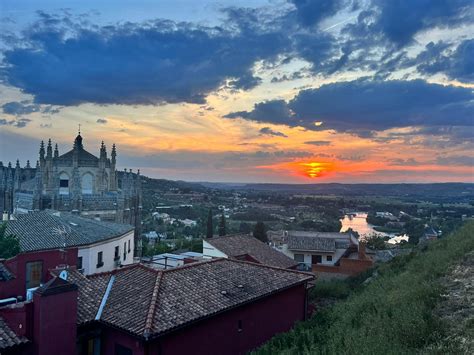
<point>222,228</point>
<point>260,232</point>
<point>210,227</point>
<point>375,242</point>
<point>9,244</point>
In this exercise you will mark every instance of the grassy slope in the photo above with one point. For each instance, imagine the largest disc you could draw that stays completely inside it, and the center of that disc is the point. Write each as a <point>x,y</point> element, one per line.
<point>391,315</point>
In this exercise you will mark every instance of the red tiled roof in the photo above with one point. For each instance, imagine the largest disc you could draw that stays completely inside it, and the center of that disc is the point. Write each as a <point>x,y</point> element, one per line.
<point>8,338</point>
<point>148,302</point>
<point>235,245</point>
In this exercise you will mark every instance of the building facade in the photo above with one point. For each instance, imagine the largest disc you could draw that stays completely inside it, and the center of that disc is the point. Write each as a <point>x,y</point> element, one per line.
<point>76,181</point>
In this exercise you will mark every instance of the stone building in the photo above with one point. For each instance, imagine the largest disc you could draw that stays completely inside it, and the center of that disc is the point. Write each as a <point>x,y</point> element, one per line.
<point>76,181</point>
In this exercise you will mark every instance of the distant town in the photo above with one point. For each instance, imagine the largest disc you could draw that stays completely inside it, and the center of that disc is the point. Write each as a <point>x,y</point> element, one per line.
<point>106,259</point>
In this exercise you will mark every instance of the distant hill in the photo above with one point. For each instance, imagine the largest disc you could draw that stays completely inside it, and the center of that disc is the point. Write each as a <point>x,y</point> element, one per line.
<point>439,189</point>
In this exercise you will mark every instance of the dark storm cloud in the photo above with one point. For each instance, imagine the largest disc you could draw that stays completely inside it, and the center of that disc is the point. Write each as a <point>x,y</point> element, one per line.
<point>64,63</point>
<point>267,131</point>
<point>363,106</point>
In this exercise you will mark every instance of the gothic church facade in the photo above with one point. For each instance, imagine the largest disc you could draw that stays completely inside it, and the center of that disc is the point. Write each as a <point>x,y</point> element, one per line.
<point>76,181</point>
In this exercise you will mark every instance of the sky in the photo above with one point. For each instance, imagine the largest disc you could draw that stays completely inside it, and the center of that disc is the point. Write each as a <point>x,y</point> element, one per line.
<point>284,91</point>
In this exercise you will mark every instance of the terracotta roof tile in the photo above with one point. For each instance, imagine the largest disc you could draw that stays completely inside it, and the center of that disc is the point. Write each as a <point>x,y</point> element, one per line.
<point>148,302</point>
<point>8,338</point>
<point>235,245</point>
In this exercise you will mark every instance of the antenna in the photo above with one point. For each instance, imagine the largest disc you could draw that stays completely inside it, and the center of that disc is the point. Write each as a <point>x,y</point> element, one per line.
<point>79,128</point>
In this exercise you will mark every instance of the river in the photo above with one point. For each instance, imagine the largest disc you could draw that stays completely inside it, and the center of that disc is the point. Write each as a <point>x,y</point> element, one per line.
<point>359,224</point>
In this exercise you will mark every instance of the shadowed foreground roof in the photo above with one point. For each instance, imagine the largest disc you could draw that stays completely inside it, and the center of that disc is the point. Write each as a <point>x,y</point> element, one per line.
<point>8,338</point>
<point>148,302</point>
<point>46,230</point>
<point>235,245</point>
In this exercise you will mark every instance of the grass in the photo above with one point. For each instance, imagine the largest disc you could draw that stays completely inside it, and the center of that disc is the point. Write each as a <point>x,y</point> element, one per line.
<point>391,315</point>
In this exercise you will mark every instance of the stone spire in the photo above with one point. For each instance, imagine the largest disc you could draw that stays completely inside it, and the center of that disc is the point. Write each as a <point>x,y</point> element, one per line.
<point>56,151</point>
<point>41,151</point>
<point>49,150</point>
<point>28,166</point>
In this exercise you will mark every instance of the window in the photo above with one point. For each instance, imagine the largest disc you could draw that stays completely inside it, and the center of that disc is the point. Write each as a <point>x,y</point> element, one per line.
<point>299,258</point>
<point>100,260</point>
<point>34,273</point>
<point>79,263</point>
<point>239,326</point>
<point>116,254</point>
<point>124,250</point>
<point>329,258</point>
<point>316,259</point>
<point>122,350</point>
<point>87,183</point>
<point>63,184</point>
<point>129,245</point>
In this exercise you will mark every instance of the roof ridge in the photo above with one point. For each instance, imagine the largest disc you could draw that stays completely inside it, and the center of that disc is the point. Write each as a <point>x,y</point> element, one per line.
<point>197,263</point>
<point>152,308</point>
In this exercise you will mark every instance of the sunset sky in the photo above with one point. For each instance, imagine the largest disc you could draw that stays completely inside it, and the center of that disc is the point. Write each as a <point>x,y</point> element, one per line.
<point>295,91</point>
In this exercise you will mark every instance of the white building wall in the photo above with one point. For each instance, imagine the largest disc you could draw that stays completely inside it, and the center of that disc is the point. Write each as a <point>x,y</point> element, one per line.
<point>308,255</point>
<point>89,254</point>
<point>210,251</point>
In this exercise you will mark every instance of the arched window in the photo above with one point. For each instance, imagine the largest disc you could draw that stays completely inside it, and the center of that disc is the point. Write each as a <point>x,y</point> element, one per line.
<point>87,184</point>
<point>63,184</point>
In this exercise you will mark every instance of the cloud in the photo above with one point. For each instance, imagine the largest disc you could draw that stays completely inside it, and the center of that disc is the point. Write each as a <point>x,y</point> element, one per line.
<point>267,131</point>
<point>457,64</point>
<point>363,106</point>
<point>318,143</point>
<point>101,121</point>
<point>20,108</point>
<point>461,160</point>
<point>311,12</point>
<point>19,122</point>
<point>62,62</point>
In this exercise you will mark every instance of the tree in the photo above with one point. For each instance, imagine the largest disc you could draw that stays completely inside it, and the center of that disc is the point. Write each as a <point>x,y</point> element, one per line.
<point>375,242</point>
<point>245,228</point>
<point>9,244</point>
<point>210,227</point>
<point>222,228</point>
<point>260,232</point>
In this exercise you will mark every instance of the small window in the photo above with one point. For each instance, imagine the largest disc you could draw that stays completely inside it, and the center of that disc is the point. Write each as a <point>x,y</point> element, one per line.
<point>124,250</point>
<point>34,273</point>
<point>129,245</point>
<point>79,263</point>
<point>100,259</point>
<point>116,254</point>
<point>239,326</point>
<point>63,183</point>
<point>316,259</point>
<point>329,258</point>
<point>299,258</point>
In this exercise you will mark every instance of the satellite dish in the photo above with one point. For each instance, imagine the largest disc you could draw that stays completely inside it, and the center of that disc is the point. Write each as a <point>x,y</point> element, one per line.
<point>63,275</point>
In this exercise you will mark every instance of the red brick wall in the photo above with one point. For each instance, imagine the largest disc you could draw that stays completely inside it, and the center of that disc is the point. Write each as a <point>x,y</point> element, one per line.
<point>51,259</point>
<point>346,266</point>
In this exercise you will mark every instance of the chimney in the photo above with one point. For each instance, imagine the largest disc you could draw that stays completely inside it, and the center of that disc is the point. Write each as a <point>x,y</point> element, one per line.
<point>55,318</point>
<point>362,255</point>
<point>5,216</point>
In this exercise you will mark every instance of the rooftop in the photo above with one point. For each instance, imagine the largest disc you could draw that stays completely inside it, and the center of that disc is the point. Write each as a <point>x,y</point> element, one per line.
<point>236,245</point>
<point>5,274</point>
<point>44,230</point>
<point>148,302</point>
<point>311,243</point>
<point>8,338</point>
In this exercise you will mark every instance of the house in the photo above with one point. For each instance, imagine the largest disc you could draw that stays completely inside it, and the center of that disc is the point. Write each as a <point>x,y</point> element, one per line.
<point>188,222</point>
<point>245,247</point>
<point>49,239</point>
<point>325,251</point>
<point>220,306</point>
